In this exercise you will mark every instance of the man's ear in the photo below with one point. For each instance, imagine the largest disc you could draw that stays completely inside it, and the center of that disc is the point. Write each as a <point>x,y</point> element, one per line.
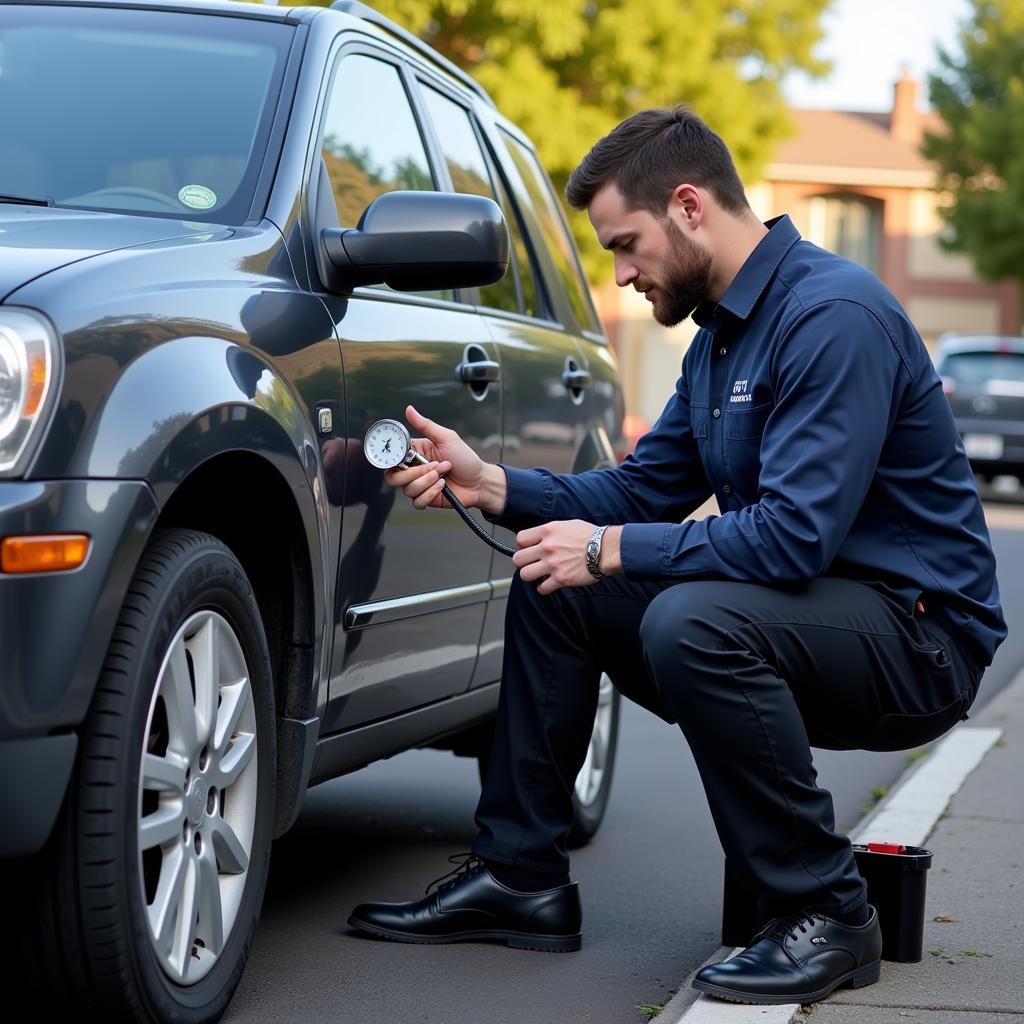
<point>687,204</point>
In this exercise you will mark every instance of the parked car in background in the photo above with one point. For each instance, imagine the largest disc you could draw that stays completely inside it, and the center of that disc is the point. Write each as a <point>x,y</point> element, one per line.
<point>983,377</point>
<point>233,236</point>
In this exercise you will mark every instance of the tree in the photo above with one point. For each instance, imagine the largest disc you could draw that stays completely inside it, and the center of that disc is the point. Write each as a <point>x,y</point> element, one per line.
<point>567,71</point>
<point>980,97</point>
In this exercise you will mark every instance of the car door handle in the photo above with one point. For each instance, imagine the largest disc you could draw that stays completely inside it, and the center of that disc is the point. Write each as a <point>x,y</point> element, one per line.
<point>483,371</point>
<point>576,380</point>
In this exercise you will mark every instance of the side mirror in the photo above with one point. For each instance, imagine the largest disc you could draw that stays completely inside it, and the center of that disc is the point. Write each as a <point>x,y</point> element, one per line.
<point>417,241</point>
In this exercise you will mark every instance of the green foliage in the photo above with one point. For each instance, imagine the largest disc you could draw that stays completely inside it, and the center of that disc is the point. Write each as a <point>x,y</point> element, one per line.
<point>980,96</point>
<point>567,71</point>
<point>650,1010</point>
<point>877,794</point>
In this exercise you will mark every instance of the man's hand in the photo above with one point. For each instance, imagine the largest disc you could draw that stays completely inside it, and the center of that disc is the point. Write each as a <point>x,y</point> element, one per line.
<point>557,551</point>
<point>475,483</point>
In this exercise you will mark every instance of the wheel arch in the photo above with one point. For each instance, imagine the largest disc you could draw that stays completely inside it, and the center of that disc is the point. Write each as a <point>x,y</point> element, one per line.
<point>274,545</point>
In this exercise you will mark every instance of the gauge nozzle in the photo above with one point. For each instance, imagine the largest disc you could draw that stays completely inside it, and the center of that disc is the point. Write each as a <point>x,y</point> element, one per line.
<point>412,456</point>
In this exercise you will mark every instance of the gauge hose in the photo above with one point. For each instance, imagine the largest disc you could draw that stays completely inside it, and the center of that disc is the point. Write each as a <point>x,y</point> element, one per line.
<point>474,525</point>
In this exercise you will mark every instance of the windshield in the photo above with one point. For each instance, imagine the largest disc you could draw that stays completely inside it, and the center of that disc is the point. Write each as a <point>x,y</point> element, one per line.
<point>984,367</point>
<point>146,112</point>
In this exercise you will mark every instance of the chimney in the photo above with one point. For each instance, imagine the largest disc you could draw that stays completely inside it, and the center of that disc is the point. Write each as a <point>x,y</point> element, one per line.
<point>905,123</point>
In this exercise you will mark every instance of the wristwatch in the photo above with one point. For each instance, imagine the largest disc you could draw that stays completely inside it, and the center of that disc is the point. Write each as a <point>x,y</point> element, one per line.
<point>593,553</point>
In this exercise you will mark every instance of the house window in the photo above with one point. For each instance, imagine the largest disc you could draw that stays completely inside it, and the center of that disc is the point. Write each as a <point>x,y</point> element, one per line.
<point>848,225</point>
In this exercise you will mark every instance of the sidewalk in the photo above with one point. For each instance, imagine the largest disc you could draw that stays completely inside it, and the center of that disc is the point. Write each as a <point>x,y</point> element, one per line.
<point>973,966</point>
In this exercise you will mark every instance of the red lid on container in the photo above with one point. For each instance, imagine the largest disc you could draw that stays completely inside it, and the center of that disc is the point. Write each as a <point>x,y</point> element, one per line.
<point>887,848</point>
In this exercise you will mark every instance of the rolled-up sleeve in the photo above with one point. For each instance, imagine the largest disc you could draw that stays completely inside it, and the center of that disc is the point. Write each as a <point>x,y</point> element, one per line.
<point>837,380</point>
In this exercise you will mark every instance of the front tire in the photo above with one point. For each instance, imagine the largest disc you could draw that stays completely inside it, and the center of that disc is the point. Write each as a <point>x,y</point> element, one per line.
<point>161,859</point>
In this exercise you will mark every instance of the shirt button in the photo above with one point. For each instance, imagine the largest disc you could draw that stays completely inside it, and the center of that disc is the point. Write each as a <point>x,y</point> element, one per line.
<point>717,413</point>
<point>727,488</point>
<point>722,351</point>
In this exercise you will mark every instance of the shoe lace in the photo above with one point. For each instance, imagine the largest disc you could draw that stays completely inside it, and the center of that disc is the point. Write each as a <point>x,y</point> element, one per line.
<point>789,925</point>
<point>465,864</point>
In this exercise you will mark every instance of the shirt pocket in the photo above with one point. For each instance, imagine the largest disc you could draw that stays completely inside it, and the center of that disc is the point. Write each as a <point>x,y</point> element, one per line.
<point>742,433</point>
<point>699,421</point>
<point>746,424</point>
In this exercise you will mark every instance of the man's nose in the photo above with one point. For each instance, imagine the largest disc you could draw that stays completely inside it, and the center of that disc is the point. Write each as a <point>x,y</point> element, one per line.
<point>625,273</point>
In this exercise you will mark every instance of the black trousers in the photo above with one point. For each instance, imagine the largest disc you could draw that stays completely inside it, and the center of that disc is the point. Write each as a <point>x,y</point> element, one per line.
<point>754,676</point>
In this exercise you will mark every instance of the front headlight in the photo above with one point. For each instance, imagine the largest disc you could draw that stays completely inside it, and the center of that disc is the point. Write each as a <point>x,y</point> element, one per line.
<point>29,363</point>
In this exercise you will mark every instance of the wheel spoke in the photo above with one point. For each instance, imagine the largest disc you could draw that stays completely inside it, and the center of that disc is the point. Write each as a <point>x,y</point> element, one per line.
<point>180,705</point>
<point>599,747</point>
<point>163,774</point>
<point>185,926</point>
<point>205,648</point>
<point>163,912</point>
<point>161,827</point>
<point>231,857</point>
<point>239,755</point>
<point>583,779</point>
<point>209,911</point>
<point>232,704</point>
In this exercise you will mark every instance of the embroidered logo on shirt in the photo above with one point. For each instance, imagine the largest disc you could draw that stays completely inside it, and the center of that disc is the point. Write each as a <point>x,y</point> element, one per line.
<point>739,392</point>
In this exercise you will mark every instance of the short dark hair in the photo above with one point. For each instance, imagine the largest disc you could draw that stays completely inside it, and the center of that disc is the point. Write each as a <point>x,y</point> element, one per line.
<point>651,153</point>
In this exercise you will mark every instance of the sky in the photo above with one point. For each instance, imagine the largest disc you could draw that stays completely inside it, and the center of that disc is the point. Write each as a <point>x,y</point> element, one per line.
<point>869,42</point>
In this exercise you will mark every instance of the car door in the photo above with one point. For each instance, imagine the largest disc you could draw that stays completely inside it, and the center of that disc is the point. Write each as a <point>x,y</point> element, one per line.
<point>544,372</point>
<point>412,585</point>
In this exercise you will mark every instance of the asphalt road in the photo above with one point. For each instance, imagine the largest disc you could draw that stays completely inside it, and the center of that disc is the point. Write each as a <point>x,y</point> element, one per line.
<point>651,880</point>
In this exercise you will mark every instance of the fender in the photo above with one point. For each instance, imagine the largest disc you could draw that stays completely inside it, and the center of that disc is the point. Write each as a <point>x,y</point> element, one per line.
<point>188,401</point>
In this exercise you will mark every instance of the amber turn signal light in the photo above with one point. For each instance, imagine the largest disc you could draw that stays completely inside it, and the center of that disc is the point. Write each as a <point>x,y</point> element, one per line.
<point>55,552</point>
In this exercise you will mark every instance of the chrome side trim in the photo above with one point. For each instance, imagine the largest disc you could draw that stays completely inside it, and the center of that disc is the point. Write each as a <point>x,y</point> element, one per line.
<point>361,615</point>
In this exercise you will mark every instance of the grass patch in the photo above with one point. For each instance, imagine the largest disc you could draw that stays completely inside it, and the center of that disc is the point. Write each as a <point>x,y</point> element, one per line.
<point>650,1010</point>
<point>877,793</point>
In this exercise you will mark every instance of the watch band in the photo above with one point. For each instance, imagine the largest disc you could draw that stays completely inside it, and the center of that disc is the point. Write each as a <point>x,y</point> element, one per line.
<point>593,553</point>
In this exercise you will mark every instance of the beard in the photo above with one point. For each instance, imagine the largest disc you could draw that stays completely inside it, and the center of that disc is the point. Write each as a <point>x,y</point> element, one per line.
<point>687,276</point>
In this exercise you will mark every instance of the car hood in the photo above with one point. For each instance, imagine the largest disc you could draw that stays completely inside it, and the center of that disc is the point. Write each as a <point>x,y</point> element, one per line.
<point>36,240</point>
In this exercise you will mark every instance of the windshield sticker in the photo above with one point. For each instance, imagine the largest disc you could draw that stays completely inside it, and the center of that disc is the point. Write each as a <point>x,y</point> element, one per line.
<point>198,197</point>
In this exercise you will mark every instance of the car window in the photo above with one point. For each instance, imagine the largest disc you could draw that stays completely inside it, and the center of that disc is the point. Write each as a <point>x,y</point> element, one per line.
<point>983,367</point>
<point>137,111</point>
<point>535,190</point>
<point>521,261</point>
<point>370,148</point>
<point>470,173</point>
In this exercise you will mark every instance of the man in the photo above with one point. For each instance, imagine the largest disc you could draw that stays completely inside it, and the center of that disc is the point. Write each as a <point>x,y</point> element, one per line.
<point>845,597</point>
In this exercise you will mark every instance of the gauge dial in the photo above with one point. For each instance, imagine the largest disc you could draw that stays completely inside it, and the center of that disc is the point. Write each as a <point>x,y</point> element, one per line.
<point>386,444</point>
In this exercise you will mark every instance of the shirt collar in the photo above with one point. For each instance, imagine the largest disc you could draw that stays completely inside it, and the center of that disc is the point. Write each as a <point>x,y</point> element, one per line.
<point>754,276</point>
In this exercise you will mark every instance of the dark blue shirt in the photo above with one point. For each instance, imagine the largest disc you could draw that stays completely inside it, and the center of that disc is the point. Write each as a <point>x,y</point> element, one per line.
<point>809,406</point>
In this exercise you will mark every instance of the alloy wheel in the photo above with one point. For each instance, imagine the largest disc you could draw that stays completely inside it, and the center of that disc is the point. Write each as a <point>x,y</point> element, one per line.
<point>591,775</point>
<point>197,797</point>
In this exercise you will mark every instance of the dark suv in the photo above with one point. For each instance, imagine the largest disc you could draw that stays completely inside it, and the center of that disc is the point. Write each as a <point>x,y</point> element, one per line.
<point>231,238</point>
<point>983,377</point>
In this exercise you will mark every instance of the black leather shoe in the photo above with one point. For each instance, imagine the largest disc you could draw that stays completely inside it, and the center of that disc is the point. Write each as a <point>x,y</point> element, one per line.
<point>800,958</point>
<point>474,906</point>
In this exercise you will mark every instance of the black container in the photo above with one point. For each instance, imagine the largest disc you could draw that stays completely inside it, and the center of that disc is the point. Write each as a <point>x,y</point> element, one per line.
<point>896,877</point>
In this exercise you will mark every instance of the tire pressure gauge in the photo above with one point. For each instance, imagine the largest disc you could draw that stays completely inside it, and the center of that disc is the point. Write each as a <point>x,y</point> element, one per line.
<point>387,446</point>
